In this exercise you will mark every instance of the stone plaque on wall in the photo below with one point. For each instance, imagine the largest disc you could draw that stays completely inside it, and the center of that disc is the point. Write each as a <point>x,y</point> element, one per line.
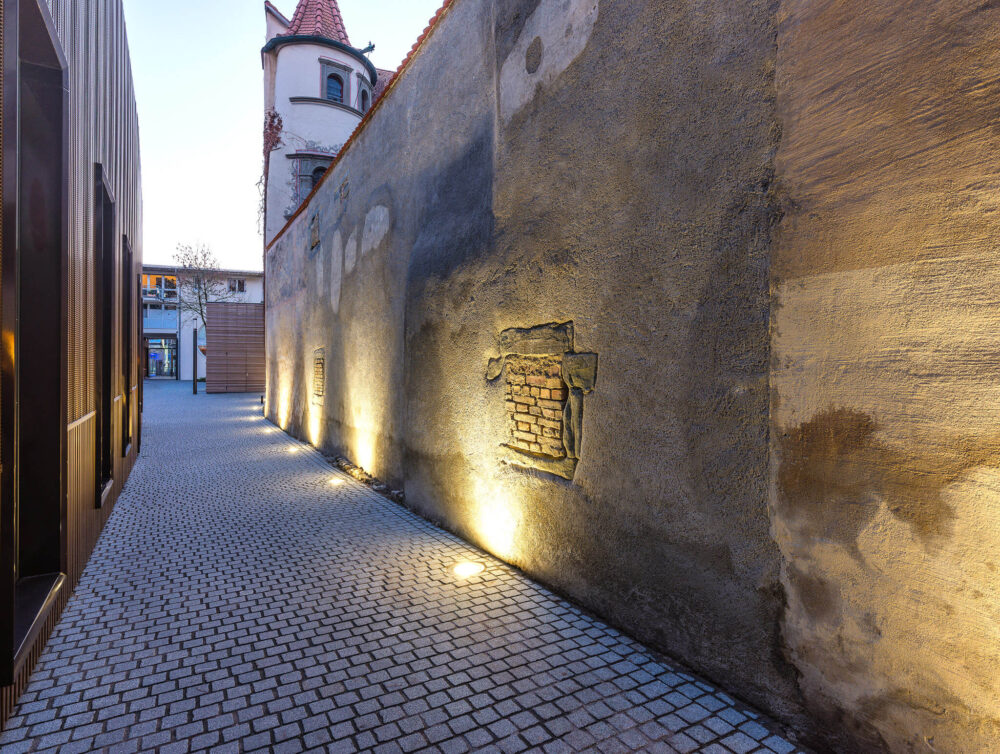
<point>319,376</point>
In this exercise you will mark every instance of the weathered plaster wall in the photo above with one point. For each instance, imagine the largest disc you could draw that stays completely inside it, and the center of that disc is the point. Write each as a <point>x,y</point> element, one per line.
<point>774,226</point>
<point>551,161</point>
<point>631,172</point>
<point>886,393</point>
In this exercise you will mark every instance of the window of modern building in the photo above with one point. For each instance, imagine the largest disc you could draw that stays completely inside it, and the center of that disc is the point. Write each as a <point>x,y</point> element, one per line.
<point>159,286</point>
<point>334,88</point>
<point>159,317</point>
<point>161,357</point>
<point>151,314</point>
<point>237,285</point>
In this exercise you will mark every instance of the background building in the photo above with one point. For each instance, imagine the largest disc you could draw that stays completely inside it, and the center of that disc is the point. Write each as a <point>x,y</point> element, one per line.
<point>317,87</point>
<point>168,327</point>
<point>70,393</point>
<point>160,322</point>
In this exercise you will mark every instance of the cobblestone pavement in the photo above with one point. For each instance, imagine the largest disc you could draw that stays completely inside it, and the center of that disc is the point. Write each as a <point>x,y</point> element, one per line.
<point>245,596</point>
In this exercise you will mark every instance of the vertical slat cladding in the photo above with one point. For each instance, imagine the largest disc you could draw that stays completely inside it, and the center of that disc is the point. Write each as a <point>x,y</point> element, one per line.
<point>103,128</point>
<point>10,694</point>
<point>84,525</point>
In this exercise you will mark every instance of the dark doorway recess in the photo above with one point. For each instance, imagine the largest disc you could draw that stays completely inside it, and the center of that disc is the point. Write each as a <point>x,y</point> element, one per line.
<point>127,313</point>
<point>33,379</point>
<point>138,379</point>
<point>104,296</point>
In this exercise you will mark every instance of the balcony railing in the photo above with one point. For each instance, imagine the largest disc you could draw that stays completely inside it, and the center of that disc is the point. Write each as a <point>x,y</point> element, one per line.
<point>159,319</point>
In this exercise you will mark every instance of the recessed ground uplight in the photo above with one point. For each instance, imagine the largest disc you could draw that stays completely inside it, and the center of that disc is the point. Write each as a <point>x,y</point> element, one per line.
<point>293,450</point>
<point>336,481</point>
<point>467,569</point>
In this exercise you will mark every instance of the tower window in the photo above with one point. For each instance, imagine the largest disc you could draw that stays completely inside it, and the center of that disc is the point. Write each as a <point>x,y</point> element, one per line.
<point>309,169</point>
<point>364,101</point>
<point>334,88</point>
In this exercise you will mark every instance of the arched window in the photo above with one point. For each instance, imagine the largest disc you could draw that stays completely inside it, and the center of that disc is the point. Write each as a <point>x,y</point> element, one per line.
<point>317,174</point>
<point>334,88</point>
<point>364,100</point>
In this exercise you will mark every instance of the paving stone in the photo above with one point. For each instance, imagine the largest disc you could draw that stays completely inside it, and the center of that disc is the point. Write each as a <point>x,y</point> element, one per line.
<point>739,743</point>
<point>779,745</point>
<point>239,601</point>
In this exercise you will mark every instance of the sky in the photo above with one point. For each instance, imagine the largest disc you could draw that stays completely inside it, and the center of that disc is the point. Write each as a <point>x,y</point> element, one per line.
<point>199,89</point>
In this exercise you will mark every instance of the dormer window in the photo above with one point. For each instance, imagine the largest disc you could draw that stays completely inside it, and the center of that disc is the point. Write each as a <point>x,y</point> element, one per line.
<point>334,88</point>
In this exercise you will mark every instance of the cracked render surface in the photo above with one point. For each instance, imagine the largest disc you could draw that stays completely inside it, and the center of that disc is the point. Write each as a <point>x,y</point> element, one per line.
<point>246,596</point>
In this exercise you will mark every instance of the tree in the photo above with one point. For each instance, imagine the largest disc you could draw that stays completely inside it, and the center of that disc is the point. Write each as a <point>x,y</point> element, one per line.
<point>198,280</point>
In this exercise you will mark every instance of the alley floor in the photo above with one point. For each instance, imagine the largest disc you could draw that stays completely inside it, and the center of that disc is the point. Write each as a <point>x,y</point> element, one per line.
<point>247,596</point>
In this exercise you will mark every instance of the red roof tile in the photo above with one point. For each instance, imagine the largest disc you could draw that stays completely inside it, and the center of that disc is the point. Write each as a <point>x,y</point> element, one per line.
<point>384,79</point>
<point>320,18</point>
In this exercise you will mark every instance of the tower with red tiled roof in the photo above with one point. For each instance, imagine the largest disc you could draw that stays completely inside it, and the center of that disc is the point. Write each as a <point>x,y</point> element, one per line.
<point>319,18</point>
<point>317,87</point>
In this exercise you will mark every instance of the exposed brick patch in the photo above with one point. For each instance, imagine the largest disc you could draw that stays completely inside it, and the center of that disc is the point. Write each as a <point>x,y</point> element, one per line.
<point>535,398</point>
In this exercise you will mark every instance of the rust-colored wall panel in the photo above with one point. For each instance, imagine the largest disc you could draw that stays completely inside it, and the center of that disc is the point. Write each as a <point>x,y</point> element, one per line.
<point>102,128</point>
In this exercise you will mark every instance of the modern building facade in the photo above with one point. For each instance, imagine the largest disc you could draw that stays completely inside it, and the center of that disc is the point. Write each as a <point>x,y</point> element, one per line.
<point>168,327</point>
<point>317,88</point>
<point>70,393</point>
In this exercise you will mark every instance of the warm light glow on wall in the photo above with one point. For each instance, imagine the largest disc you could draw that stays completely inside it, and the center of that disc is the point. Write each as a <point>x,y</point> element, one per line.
<point>284,404</point>
<point>315,425</point>
<point>364,443</point>
<point>497,520</point>
<point>367,414</point>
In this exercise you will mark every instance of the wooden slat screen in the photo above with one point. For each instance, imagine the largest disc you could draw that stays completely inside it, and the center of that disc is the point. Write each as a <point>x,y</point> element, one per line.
<point>235,348</point>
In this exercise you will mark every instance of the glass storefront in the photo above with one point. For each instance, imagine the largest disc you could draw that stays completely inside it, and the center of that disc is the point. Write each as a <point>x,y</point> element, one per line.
<point>161,357</point>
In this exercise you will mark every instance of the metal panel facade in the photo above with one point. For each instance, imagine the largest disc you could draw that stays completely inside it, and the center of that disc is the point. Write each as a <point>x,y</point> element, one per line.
<point>100,128</point>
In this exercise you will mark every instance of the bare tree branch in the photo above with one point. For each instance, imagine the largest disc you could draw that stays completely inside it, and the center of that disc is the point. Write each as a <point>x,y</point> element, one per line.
<point>199,280</point>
